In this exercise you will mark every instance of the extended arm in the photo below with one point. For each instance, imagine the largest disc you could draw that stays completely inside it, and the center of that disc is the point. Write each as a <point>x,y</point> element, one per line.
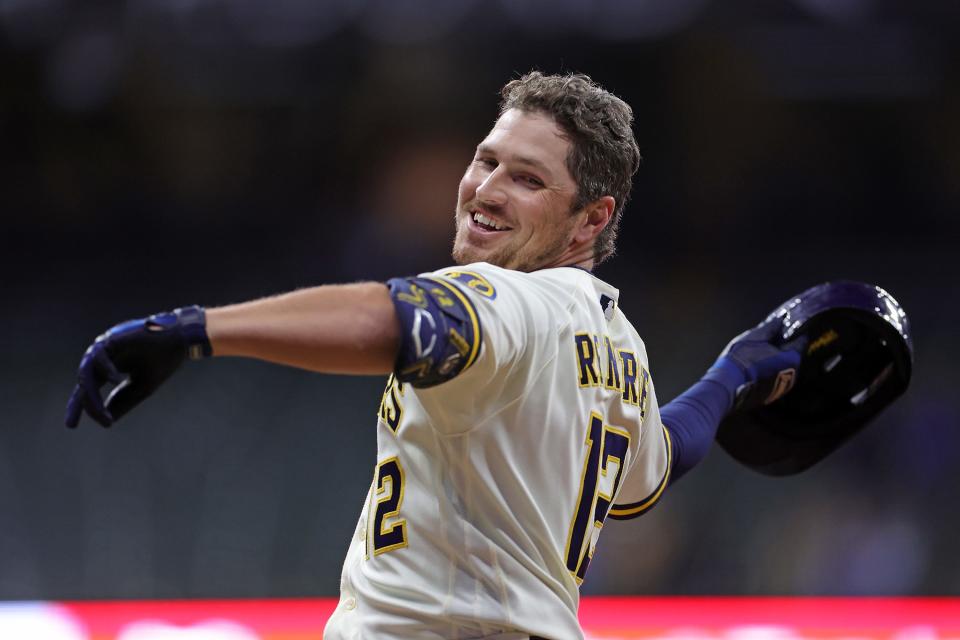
<point>333,329</point>
<point>422,329</point>
<point>744,376</point>
<point>692,418</point>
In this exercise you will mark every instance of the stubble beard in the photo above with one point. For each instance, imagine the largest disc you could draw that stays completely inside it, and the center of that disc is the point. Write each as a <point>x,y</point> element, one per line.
<point>506,256</point>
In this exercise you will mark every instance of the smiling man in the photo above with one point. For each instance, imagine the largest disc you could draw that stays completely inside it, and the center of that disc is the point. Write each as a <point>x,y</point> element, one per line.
<point>516,203</point>
<point>519,411</point>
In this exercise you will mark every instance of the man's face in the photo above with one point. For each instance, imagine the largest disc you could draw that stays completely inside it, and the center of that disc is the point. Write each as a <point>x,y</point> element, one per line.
<point>514,202</point>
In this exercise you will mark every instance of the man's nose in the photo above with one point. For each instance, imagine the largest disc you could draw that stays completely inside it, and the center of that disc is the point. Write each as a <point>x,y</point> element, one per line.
<point>491,191</point>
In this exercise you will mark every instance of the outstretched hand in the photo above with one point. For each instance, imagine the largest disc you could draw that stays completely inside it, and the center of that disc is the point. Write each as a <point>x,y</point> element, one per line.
<point>137,356</point>
<point>769,367</point>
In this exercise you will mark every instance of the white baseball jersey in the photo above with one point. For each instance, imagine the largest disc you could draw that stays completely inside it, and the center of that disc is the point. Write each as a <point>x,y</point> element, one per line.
<point>491,489</point>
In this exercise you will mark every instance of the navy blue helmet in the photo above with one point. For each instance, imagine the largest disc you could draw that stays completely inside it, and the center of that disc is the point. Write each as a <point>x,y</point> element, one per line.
<point>857,360</point>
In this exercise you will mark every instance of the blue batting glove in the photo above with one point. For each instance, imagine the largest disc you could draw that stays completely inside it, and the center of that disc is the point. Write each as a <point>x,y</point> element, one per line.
<point>137,356</point>
<point>757,366</point>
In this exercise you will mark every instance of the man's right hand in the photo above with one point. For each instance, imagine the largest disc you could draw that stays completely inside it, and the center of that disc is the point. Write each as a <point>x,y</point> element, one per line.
<point>757,366</point>
<point>137,356</point>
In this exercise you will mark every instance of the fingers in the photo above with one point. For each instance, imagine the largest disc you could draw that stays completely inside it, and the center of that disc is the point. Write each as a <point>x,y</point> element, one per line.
<point>92,402</point>
<point>106,369</point>
<point>748,335</point>
<point>790,356</point>
<point>74,408</point>
<point>798,344</point>
<point>774,363</point>
<point>790,360</point>
<point>96,369</point>
<point>126,396</point>
<point>86,400</point>
<point>134,359</point>
<point>768,331</point>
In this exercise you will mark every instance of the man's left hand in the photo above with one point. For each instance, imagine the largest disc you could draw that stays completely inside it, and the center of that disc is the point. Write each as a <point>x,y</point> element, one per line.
<point>137,356</point>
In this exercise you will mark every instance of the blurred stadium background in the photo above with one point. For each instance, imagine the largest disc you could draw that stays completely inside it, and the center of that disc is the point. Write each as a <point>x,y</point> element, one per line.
<point>155,153</point>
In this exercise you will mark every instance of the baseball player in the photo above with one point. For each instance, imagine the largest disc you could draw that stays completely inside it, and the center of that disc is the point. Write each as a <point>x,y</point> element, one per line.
<point>519,412</point>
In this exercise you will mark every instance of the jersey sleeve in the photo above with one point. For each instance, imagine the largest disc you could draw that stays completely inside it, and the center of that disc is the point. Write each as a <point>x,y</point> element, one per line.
<point>440,334</point>
<point>517,318</point>
<point>649,472</point>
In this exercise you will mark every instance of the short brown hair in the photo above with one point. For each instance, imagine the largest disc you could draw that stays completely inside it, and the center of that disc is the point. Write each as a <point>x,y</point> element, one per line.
<point>603,152</point>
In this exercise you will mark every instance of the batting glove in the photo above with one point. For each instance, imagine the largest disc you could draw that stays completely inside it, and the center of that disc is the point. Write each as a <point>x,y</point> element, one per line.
<point>137,356</point>
<point>757,366</point>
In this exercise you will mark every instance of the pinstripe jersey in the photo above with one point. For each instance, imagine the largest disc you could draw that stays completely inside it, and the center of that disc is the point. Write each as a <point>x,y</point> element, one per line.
<point>491,489</point>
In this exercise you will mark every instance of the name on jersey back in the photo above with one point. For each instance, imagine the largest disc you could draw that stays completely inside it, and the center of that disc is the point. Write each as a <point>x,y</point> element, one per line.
<point>602,363</point>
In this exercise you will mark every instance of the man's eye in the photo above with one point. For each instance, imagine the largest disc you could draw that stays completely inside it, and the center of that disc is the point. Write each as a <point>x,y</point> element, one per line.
<point>486,162</point>
<point>530,180</point>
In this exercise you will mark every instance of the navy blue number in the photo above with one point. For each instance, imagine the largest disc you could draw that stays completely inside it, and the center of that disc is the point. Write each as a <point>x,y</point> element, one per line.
<point>606,450</point>
<point>388,536</point>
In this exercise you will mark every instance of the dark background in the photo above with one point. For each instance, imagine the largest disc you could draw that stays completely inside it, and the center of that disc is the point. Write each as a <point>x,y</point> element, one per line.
<point>156,153</point>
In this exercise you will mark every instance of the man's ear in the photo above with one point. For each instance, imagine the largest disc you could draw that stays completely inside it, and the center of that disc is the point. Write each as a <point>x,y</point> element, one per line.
<point>598,216</point>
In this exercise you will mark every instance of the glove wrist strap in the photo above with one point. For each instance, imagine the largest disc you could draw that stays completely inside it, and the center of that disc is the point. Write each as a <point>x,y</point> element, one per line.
<point>193,327</point>
<point>728,373</point>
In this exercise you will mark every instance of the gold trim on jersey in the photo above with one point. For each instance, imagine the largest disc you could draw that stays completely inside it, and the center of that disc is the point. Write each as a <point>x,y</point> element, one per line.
<point>477,282</point>
<point>474,318</point>
<point>622,512</point>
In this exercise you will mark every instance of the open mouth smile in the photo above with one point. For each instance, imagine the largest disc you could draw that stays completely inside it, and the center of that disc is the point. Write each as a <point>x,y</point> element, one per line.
<point>486,223</point>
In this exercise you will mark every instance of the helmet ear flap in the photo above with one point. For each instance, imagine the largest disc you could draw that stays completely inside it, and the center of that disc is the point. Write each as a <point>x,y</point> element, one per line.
<point>857,360</point>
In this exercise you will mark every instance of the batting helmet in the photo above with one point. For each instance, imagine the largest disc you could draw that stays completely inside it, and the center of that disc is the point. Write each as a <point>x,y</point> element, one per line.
<point>858,359</point>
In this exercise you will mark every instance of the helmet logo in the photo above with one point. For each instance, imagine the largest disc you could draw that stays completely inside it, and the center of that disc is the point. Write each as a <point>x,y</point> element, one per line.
<point>782,385</point>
